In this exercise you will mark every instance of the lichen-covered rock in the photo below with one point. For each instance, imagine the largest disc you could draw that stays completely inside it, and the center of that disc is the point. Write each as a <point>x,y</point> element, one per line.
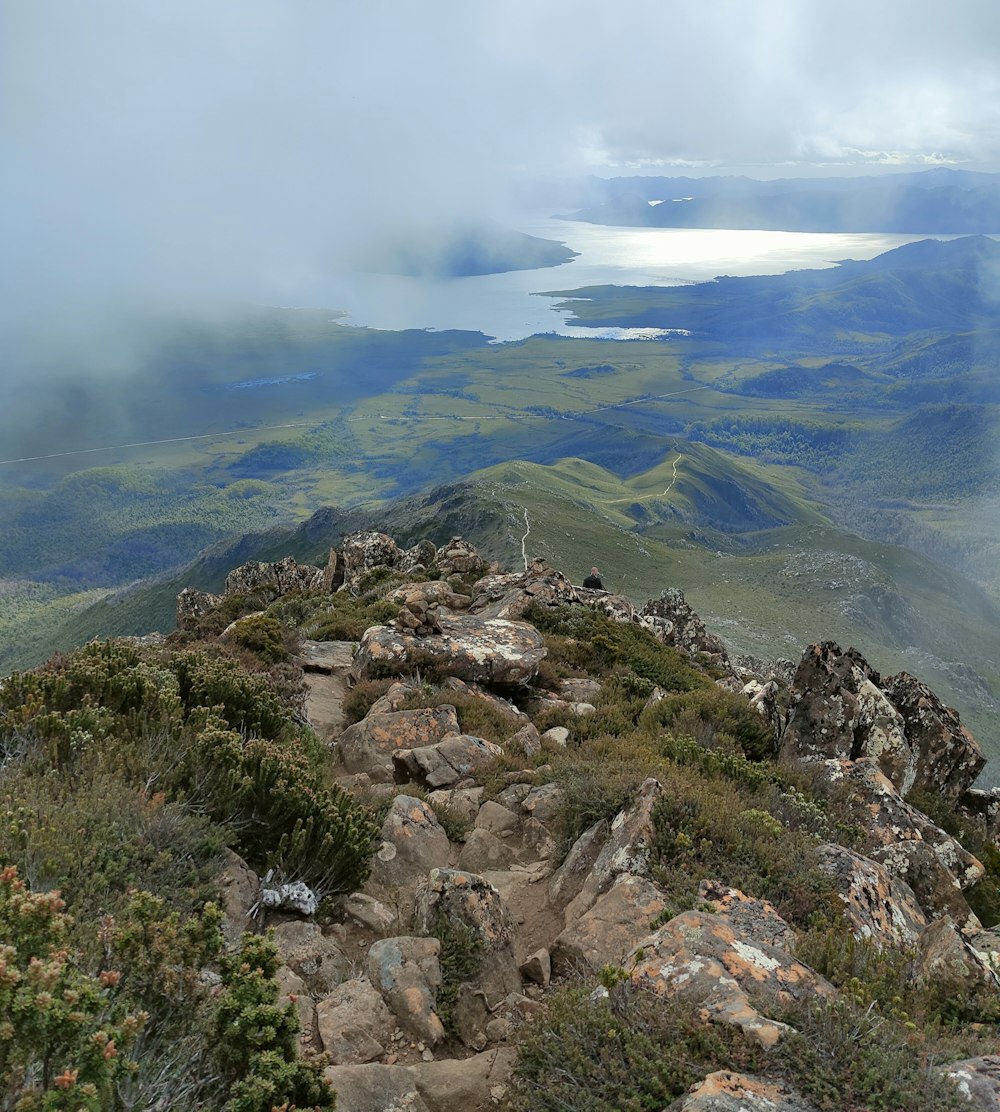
<point>977,1081</point>
<point>470,899</point>
<point>458,556</point>
<point>272,580</point>
<point>945,957</point>
<point>475,649</point>
<point>726,1091</point>
<point>368,745</point>
<point>705,957</point>
<point>296,896</point>
<point>421,555</point>
<point>877,905</point>
<point>407,974</point>
<point>527,741</point>
<point>354,1023</point>
<point>677,625</point>
<point>947,757</point>
<point>843,710</point>
<point>752,919</point>
<point>611,929</point>
<point>413,843</point>
<point>192,605</point>
<point>626,850</point>
<point>544,803</point>
<point>367,550</point>
<point>445,762</point>
<point>316,957</point>
<point>932,883</point>
<point>839,713</point>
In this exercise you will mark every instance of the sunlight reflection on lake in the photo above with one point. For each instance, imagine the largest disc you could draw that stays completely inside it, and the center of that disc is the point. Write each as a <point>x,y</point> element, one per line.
<point>507,306</point>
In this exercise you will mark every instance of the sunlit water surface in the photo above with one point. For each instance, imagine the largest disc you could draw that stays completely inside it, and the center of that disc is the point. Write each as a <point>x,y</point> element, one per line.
<point>508,306</point>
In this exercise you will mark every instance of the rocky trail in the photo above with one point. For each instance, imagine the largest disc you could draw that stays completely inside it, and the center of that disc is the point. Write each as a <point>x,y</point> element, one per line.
<point>416,987</point>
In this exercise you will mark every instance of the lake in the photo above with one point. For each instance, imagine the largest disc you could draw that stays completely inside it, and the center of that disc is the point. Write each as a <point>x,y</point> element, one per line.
<point>508,306</point>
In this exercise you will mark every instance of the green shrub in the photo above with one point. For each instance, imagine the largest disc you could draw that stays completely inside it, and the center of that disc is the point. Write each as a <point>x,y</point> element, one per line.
<point>347,618</point>
<point>255,1038</point>
<point>361,697</point>
<point>587,641</point>
<point>460,959</point>
<point>285,819</point>
<point>264,636</point>
<point>714,718</point>
<point>708,828</point>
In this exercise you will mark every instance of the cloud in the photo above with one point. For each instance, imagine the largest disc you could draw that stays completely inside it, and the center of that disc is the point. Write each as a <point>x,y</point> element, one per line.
<point>170,153</point>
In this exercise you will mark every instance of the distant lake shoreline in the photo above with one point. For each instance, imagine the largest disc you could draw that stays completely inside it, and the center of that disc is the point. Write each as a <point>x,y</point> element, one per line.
<point>514,305</point>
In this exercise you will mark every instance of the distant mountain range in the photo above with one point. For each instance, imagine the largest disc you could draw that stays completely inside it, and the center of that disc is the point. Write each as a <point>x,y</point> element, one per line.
<point>937,201</point>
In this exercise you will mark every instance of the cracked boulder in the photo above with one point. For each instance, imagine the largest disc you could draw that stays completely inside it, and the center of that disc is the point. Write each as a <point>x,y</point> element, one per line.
<point>413,843</point>
<point>407,974</point>
<point>445,762</point>
<point>677,625</point>
<point>726,970</point>
<point>366,550</point>
<point>626,849</point>
<point>368,745</point>
<point>877,905</point>
<point>473,648</point>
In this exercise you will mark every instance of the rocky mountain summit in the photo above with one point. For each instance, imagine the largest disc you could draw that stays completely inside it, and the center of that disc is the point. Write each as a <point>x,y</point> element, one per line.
<point>494,841</point>
<point>490,889</point>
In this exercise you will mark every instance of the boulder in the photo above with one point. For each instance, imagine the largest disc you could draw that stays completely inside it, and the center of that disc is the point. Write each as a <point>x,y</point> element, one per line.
<point>752,919</point>
<point>354,1023</point>
<point>977,1081</point>
<point>192,605</point>
<point>569,878</point>
<point>472,1084</point>
<point>484,851</point>
<point>932,883</point>
<point>413,843</point>
<point>537,967</point>
<point>420,556</point>
<point>627,849</point>
<point>368,745</point>
<point>407,974</point>
<point>839,712</point>
<point>726,1091</point>
<point>878,906</point>
<point>316,957</point>
<point>945,957</point>
<point>327,657</point>
<point>842,709</point>
<point>544,803</point>
<point>947,758</point>
<point>271,581</point>
<point>367,550</point>
<point>497,819</point>
<point>676,624</point>
<point>446,762</point>
<point>705,957</point>
<point>369,913</point>
<point>375,1088</point>
<point>464,802</point>
<point>475,649</point>
<point>526,741</point>
<point>470,899</point>
<point>611,929</point>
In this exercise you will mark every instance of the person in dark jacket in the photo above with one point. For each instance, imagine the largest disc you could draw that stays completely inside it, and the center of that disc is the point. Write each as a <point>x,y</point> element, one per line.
<point>593,581</point>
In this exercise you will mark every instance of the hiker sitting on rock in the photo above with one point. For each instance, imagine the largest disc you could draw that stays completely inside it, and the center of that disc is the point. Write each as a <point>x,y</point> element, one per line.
<point>593,581</point>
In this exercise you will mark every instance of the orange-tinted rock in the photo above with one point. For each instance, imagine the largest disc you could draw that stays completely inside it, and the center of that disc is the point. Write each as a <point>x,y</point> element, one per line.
<point>726,1091</point>
<point>368,745</point>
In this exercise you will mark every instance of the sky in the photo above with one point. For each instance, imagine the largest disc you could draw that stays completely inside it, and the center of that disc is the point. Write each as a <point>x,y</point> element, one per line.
<point>166,152</point>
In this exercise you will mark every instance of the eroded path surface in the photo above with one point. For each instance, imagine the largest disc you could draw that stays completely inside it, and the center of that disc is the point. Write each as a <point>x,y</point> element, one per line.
<point>326,665</point>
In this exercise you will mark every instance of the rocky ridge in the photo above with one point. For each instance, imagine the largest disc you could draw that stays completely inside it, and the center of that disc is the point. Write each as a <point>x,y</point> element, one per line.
<point>475,857</point>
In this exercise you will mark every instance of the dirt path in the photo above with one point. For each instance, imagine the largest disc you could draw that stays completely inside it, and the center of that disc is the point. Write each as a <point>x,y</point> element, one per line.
<point>647,497</point>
